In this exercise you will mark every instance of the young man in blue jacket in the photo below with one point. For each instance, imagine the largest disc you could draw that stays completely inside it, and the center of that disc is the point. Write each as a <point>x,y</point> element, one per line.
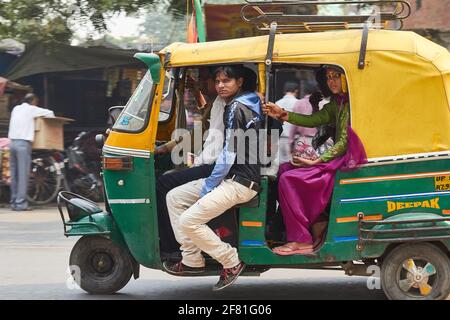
<point>235,179</point>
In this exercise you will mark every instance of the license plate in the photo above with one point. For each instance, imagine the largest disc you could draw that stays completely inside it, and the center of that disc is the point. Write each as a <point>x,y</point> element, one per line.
<point>442,183</point>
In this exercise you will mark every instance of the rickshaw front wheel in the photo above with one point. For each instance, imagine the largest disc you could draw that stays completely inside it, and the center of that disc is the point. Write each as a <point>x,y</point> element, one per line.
<point>99,266</point>
<point>416,272</point>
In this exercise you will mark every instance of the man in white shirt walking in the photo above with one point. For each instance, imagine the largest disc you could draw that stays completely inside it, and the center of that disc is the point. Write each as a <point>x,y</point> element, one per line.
<point>21,133</point>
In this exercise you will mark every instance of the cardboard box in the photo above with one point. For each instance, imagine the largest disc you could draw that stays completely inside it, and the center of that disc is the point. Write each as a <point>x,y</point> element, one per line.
<point>49,133</point>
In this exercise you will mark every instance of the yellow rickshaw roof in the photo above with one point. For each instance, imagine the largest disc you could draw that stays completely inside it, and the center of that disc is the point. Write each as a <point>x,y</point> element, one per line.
<point>254,49</point>
<point>400,101</point>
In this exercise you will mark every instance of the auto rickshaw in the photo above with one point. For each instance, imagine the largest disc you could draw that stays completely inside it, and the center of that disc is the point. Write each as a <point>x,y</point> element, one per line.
<point>393,212</point>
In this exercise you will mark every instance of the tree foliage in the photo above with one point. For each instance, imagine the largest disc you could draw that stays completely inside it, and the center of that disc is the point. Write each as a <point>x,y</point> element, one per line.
<point>56,20</point>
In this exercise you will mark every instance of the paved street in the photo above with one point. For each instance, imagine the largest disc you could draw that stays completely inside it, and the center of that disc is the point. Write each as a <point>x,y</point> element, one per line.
<point>34,257</point>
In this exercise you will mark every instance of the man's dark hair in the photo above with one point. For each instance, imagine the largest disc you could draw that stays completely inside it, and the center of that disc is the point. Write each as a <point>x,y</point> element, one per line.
<point>239,71</point>
<point>290,86</point>
<point>250,80</point>
<point>30,97</point>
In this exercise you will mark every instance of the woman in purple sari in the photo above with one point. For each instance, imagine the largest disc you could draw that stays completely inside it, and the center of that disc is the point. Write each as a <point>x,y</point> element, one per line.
<point>305,186</point>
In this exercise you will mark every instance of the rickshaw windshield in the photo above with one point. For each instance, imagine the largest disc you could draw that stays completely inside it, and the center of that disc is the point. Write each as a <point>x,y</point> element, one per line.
<point>133,117</point>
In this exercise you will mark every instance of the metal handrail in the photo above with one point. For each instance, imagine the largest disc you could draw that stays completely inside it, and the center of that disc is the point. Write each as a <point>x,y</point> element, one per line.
<point>394,222</point>
<point>405,234</point>
<point>267,12</point>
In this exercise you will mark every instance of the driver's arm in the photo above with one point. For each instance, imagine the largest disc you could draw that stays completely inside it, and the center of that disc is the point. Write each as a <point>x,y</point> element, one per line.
<point>168,146</point>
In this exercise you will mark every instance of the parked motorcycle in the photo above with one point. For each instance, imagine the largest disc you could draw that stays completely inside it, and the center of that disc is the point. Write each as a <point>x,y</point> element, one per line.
<point>82,176</point>
<point>70,170</point>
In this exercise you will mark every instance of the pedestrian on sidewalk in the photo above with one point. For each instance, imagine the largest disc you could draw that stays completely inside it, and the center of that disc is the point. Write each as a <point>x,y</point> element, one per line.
<point>21,133</point>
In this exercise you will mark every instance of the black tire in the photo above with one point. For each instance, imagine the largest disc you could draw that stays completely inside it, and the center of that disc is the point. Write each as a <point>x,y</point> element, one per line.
<point>103,267</point>
<point>416,272</point>
<point>45,180</point>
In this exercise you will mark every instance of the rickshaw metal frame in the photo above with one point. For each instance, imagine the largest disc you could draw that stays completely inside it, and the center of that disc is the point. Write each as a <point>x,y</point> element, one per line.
<point>62,199</point>
<point>366,236</point>
<point>307,23</point>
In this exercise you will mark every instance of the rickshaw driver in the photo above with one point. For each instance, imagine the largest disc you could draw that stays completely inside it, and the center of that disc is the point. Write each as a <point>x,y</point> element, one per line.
<point>203,164</point>
<point>235,179</point>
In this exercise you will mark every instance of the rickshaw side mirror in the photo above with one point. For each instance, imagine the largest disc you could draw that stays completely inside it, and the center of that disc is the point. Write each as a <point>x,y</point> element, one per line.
<point>114,113</point>
<point>100,140</point>
<point>153,63</point>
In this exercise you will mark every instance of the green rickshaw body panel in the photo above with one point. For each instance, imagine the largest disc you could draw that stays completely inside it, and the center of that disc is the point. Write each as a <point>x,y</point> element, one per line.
<point>104,226</point>
<point>253,248</point>
<point>383,192</point>
<point>132,198</point>
<point>394,190</point>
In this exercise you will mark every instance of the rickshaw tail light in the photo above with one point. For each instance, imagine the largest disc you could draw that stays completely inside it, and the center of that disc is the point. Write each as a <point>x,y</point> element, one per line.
<point>117,163</point>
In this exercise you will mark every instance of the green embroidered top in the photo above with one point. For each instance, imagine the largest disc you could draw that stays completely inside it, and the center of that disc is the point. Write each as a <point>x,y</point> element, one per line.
<point>329,114</point>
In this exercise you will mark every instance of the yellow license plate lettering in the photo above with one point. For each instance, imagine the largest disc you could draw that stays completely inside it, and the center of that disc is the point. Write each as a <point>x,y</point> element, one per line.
<point>442,183</point>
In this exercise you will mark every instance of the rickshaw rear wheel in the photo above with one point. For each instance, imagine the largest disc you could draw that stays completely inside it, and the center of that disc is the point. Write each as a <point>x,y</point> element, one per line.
<point>416,272</point>
<point>103,267</point>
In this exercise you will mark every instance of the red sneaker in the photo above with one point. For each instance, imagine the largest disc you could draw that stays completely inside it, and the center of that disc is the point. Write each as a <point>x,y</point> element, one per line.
<point>229,276</point>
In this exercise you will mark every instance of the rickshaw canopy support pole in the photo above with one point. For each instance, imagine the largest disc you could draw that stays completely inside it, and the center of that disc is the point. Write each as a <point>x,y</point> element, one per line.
<point>268,62</point>
<point>362,51</point>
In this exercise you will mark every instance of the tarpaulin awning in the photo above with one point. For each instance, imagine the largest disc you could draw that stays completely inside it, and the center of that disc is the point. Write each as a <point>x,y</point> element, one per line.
<point>6,84</point>
<point>40,58</point>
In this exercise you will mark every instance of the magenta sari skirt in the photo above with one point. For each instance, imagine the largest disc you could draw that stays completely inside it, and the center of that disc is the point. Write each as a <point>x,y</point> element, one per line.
<point>304,193</point>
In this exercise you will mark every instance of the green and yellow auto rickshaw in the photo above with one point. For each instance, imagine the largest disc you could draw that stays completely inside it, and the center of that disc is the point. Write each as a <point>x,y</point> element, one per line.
<point>392,213</point>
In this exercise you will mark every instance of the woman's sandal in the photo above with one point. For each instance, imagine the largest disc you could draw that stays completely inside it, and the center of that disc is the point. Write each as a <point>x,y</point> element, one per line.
<point>291,248</point>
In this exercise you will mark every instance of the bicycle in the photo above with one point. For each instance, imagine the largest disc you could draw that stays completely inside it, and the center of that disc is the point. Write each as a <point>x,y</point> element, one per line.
<point>46,176</point>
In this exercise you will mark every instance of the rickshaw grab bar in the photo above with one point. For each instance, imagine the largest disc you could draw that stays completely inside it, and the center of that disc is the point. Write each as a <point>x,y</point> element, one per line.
<point>409,239</point>
<point>405,221</point>
<point>412,230</point>
<point>65,197</point>
<point>366,236</point>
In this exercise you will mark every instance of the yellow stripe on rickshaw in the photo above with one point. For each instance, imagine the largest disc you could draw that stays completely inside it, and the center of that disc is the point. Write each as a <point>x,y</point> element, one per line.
<point>445,211</point>
<point>355,218</point>
<point>252,224</point>
<point>394,177</point>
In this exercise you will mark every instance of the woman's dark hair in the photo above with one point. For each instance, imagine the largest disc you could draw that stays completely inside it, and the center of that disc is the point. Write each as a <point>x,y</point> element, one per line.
<point>238,71</point>
<point>321,78</point>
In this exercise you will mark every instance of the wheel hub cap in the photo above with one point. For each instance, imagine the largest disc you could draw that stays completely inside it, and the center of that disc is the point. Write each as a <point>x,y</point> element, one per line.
<point>417,277</point>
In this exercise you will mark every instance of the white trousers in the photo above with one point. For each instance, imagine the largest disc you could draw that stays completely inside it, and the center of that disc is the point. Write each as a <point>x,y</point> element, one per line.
<point>189,215</point>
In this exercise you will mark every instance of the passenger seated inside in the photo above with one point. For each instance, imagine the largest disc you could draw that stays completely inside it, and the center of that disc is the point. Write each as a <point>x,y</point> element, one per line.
<point>300,141</point>
<point>235,179</point>
<point>306,183</point>
<point>311,143</point>
<point>204,92</point>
